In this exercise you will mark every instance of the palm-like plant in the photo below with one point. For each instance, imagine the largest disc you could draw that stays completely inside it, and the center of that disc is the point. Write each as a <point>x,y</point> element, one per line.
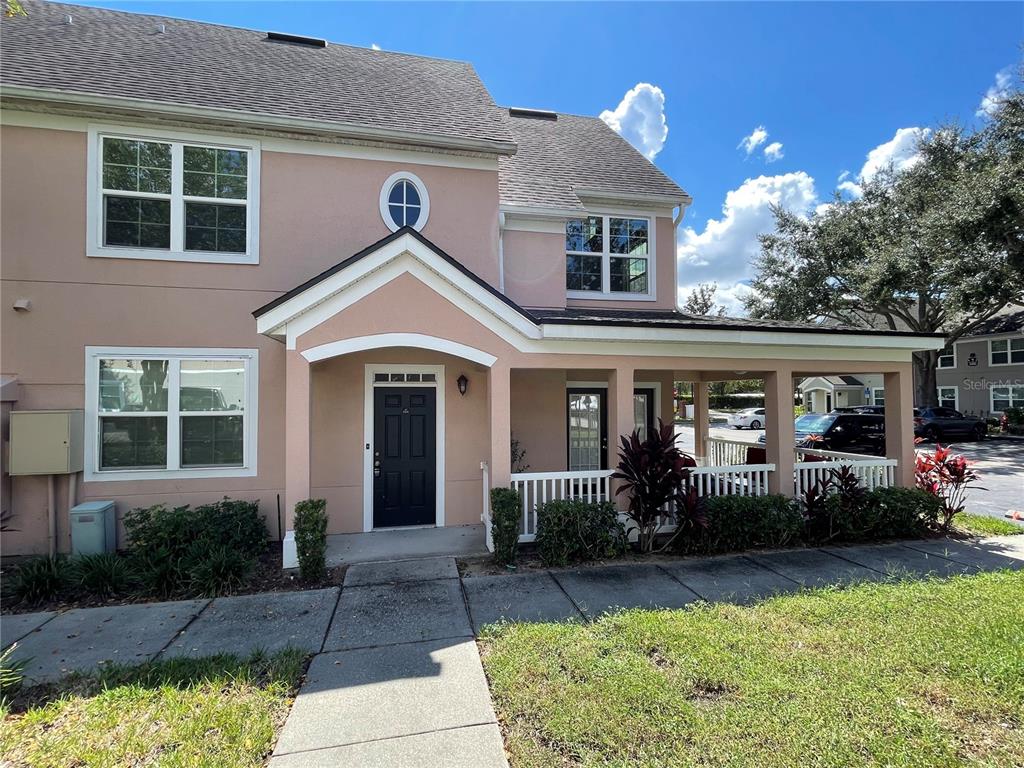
<point>651,472</point>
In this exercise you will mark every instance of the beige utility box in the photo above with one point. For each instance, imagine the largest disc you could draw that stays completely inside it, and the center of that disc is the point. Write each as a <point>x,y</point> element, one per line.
<point>46,442</point>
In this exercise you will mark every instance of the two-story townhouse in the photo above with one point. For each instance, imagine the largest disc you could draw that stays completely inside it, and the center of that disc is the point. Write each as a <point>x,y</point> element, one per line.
<point>274,268</point>
<point>982,373</point>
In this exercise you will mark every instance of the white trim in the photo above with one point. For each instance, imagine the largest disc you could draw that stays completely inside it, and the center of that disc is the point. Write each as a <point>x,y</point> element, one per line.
<point>606,293</point>
<point>250,416</point>
<point>382,340</point>
<point>874,395</point>
<point>656,386</point>
<point>956,395</point>
<point>514,222</point>
<point>421,188</point>
<point>938,364</point>
<point>1009,351</point>
<point>94,196</point>
<point>1009,395</point>
<point>258,119</point>
<point>439,473</point>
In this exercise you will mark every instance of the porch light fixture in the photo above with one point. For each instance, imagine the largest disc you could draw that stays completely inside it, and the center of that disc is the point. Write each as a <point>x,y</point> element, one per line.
<point>463,383</point>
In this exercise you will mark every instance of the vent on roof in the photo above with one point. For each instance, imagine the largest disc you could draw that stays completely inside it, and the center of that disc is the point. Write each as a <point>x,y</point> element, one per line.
<point>536,114</point>
<point>284,37</point>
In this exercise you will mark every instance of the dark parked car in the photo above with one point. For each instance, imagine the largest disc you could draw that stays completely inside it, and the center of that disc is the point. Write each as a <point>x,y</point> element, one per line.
<point>942,423</point>
<point>841,431</point>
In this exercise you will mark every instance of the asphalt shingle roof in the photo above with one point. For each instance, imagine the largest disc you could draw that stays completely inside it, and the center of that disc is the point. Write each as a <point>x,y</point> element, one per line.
<point>112,53</point>
<point>556,157</point>
<point>1007,321</point>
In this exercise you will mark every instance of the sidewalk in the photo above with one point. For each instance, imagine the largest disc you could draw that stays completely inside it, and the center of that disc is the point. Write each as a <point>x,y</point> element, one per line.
<point>395,677</point>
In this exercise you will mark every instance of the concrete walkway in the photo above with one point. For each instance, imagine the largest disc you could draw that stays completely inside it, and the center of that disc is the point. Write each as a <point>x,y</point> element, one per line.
<point>395,677</point>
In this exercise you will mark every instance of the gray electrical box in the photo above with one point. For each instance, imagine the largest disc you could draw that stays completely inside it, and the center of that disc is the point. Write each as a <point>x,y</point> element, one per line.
<point>93,528</point>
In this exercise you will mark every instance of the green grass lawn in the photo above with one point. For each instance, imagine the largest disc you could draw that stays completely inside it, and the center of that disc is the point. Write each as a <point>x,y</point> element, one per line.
<point>926,673</point>
<point>983,525</point>
<point>220,711</point>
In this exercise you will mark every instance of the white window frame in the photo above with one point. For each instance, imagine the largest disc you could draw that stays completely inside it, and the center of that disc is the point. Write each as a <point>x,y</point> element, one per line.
<point>173,471</point>
<point>874,395</point>
<point>440,384</point>
<point>1014,402</point>
<point>952,353</point>
<point>385,192</point>
<point>1009,351</point>
<point>177,139</point>
<point>956,396</point>
<point>606,294</point>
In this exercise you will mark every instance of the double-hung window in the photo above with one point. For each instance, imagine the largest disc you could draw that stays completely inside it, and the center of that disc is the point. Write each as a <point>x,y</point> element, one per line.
<point>1004,397</point>
<point>949,398</point>
<point>153,413</point>
<point>173,196</point>
<point>947,357</point>
<point>1006,351</point>
<point>609,257</point>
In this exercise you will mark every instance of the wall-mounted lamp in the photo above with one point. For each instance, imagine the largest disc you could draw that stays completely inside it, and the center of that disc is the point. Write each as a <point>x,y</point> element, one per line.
<point>463,383</point>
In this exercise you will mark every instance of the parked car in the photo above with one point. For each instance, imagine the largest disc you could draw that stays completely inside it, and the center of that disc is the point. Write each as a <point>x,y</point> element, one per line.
<point>841,431</point>
<point>748,418</point>
<point>942,423</point>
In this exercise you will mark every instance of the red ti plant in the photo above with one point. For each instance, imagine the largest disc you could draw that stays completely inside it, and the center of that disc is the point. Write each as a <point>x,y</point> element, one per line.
<point>946,476</point>
<point>650,472</point>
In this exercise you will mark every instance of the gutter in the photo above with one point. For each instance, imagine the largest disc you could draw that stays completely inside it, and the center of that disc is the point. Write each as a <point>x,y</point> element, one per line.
<point>257,119</point>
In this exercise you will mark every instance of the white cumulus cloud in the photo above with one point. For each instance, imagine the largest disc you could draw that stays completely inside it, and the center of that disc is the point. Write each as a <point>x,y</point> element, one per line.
<point>725,249</point>
<point>756,138</point>
<point>773,152</point>
<point>995,95</point>
<point>374,46</point>
<point>899,153</point>
<point>640,119</point>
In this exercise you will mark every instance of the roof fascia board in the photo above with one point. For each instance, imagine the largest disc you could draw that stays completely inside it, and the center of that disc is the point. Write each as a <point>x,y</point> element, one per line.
<point>606,196</point>
<point>539,211</point>
<point>323,127</point>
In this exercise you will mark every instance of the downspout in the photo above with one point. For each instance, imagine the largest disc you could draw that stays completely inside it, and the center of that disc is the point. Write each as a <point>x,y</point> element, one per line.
<point>675,244</point>
<point>501,251</point>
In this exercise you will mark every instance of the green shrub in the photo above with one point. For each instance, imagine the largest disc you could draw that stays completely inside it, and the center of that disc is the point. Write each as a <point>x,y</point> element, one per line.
<point>169,546</point>
<point>505,509</point>
<point>893,513</point>
<point>572,530</point>
<point>744,522</point>
<point>12,673</point>
<point>102,574</point>
<point>38,580</point>
<point>311,538</point>
<point>220,571</point>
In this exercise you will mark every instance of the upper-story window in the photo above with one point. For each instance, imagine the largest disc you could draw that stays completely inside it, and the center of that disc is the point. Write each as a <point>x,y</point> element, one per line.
<point>947,357</point>
<point>173,196</point>
<point>404,201</point>
<point>609,257</point>
<point>1006,351</point>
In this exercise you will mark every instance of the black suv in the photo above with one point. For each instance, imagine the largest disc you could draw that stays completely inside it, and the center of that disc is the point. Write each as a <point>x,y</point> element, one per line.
<point>841,431</point>
<point>942,423</point>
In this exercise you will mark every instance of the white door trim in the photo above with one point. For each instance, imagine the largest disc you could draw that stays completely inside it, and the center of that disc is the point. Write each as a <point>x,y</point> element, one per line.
<point>368,387</point>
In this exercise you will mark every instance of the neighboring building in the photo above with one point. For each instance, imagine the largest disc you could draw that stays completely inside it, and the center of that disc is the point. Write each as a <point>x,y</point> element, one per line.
<point>275,268</point>
<point>982,374</point>
<point>823,393</point>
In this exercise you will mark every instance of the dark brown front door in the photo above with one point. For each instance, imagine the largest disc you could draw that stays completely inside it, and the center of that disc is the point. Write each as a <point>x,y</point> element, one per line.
<point>404,456</point>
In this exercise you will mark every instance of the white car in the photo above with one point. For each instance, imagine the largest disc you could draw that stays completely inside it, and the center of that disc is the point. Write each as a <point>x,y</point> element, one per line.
<point>750,418</point>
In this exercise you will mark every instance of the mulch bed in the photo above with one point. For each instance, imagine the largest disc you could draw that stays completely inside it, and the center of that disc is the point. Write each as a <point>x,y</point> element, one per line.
<point>267,576</point>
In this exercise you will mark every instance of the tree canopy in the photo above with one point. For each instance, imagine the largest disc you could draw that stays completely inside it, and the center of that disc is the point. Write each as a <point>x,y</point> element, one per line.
<point>936,247</point>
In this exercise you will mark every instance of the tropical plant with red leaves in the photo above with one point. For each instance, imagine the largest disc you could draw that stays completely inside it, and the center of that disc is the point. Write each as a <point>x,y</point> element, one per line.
<point>650,472</point>
<point>946,476</point>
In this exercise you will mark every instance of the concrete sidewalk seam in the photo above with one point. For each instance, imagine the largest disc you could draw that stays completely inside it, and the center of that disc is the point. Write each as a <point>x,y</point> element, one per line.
<point>387,738</point>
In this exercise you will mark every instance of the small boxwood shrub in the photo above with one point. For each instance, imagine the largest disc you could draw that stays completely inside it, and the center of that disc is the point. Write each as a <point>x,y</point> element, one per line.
<point>311,538</point>
<point>506,504</point>
<point>744,522</point>
<point>171,548</point>
<point>37,580</point>
<point>570,530</point>
<point>894,513</point>
<point>103,575</point>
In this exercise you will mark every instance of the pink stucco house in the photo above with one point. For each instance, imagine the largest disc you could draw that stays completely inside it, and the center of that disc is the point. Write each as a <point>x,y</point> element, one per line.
<point>274,268</point>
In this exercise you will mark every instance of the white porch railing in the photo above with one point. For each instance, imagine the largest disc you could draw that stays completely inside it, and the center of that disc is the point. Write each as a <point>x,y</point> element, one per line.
<point>732,480</point>
<point>536,488</point>
<point>872,473</point>
<point>721,451</point>
<point>803,453</point>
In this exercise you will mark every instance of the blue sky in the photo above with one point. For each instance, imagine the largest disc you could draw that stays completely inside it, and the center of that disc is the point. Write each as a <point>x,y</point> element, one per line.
<point>830,82</point>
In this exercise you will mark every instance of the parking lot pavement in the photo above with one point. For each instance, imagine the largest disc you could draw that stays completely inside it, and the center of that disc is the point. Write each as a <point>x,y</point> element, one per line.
<point>998,462</point>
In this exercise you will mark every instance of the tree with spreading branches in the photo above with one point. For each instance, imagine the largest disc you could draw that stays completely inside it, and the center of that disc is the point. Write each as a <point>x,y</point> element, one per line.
<point>935,247</point>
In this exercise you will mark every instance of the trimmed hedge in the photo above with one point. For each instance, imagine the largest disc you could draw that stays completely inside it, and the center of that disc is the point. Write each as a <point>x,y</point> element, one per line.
<point>745,522</point>
<point>571,531</point>
<point>311,538</point>
<point>505,506</point>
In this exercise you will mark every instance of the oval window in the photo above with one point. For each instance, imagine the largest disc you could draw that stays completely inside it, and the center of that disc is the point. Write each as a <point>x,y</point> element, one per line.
<point>404,202</point>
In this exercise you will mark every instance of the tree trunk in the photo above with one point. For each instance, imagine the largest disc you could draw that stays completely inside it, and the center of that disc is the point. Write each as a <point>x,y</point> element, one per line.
<point>926,393</point>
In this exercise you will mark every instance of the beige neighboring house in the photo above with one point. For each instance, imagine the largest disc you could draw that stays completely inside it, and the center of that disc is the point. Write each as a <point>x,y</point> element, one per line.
<point>823,393</point>
<point>274,268</point>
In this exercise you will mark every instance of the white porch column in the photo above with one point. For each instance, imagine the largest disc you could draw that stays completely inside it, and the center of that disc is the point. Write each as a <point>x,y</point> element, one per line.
<point>621,420</point>
<point>296,442</point>
<point>499,406</point>
<point>899,424</point>
<point>780,433</point>
<point>701,420</point>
